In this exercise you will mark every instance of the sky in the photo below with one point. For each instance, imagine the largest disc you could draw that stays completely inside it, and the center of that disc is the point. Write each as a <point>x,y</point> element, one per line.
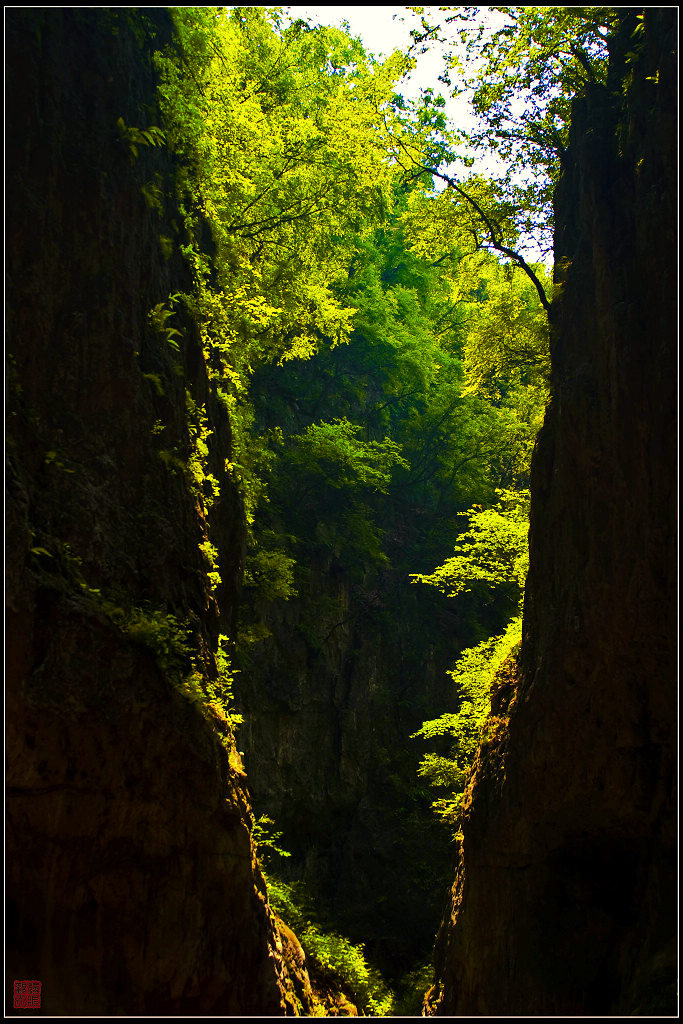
<point>379,30</point>
<point>383,30</point>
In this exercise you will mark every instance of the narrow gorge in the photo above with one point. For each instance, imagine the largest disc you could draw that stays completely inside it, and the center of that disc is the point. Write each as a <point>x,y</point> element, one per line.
<point>262,377</point>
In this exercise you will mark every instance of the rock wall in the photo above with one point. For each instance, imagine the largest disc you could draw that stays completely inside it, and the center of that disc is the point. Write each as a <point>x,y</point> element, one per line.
<point>330,701</point>
<point>565,894</point>
<point>132,885</point>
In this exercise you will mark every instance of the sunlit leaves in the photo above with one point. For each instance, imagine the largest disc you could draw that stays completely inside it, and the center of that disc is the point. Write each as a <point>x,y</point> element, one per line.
<point>521,68</point>
<point>445,223</point>
<point>533,65</point>
<point>335,452</point>
<point>473,676</point>
<point>507,340</point>
<point>494,550</point>
<point>285,151</point>
<point>492,553</point>
<point>288,141</point>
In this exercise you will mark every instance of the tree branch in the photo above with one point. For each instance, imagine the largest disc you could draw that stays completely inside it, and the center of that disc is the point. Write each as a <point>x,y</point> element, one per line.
<point>583,60</point>
<point>495,237</point>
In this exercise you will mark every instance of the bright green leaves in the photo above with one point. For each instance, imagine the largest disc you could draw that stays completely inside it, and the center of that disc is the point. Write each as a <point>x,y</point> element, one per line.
<point>521,68</point>
<point>529,64</point>
<point>494,550</point>
<point>331,954</point>
<point>283,144</point>
<point>503,328</point>
<point>335,452</point>
<point>311,229</point>
<point>266,839</point>
<point>446,225</point>
<point>534,63</point>
<point>507,342</point>
<point>494,554</point>
<point>287,143</point>
<point>473,676</point>
<point>212,693</point>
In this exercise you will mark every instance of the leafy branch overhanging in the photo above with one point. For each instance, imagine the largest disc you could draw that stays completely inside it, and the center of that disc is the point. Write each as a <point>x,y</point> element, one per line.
<point>496,236</point>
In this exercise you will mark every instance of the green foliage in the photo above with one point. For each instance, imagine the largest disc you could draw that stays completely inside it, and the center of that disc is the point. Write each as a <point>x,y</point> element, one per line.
<point>266,839</point>
<point>411,990</point>
<point>472,675</point>
<point>53,458</point>
<point>334,452</point>
<point>63,568</point>
<point>153,194</point>
<point>507,340</point>
<point>210,553</point>
<point>205,681</point>
<point>448,226</point>
<point>270,572</point>
<point>285,158</point>
<point>157,630</point>
<point>220,692</point>
<point>214,694</point>
<point>157,319</point>
<point>534,64</point>
<point>332,954</point>
<point>281,138</point>
<point>290,145</point>
<point>493,551</point>
<point>408,439</point>
<point>380,370</point>
<point>135,137</point>
<point>203,484</point>
<point>155,381</point>
<point>523,66</point>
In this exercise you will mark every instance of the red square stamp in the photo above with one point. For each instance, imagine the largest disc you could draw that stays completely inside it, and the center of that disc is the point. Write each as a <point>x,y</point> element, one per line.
<point>27,995</point>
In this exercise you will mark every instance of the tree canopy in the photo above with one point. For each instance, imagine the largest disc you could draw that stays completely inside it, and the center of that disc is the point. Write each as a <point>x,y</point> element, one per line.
<point>522,66</point>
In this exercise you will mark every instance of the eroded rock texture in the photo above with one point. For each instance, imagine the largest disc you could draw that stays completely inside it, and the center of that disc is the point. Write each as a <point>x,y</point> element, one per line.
<point>565,895</point>
<point>132,885</point>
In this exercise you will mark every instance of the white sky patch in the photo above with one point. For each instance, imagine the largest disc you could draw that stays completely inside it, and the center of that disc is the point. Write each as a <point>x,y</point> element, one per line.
<point>383,30</point>
<point>380,31</point>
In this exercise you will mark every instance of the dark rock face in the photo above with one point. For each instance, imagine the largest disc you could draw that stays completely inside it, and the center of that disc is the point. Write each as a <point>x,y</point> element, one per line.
<point>326,742</point>
<point>565,895</point>
<point>132,885</point>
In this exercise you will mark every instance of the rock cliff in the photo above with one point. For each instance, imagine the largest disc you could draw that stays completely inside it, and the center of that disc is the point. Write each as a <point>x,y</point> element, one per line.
<point>330,700</point>
<point>565,893</point>
<point>132,883</point>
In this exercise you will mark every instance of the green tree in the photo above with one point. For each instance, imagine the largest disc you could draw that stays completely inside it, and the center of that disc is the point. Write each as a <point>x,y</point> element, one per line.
<point>281,136</point>
<point>535,62</point>
<point>494,550</point>
<point>383,372</point>
<point>493,553</point>
<point>522,66</point>
<point>473,676</point>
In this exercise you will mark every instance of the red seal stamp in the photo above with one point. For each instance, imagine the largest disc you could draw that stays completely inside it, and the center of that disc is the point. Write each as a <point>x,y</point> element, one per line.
<point>27,995</point>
